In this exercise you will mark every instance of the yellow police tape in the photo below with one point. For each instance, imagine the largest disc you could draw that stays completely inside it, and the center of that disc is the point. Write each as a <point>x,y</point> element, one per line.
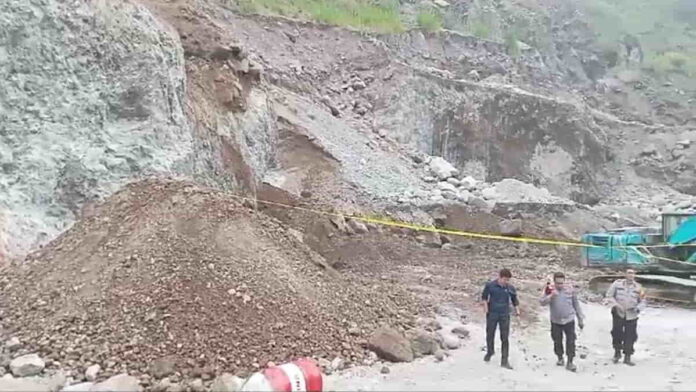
<point>412,226</point>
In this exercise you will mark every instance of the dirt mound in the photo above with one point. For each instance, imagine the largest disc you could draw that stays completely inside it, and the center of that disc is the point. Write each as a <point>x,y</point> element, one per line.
<point>167,269</point>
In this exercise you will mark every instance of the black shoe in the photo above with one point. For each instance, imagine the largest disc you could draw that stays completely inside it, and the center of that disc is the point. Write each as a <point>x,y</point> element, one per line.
<point>488,356</point>
<point>506,365</point>
<point>570,366</point>
<point>627,361</point>
<point>617,356</point>
<point>560,361</point>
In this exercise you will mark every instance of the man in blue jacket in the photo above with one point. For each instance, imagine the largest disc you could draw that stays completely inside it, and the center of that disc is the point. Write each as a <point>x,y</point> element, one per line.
<point>496,297</point>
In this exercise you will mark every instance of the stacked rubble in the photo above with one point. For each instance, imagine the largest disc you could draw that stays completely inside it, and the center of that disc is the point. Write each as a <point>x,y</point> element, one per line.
<point>169,280</point>
<point>445,182</point>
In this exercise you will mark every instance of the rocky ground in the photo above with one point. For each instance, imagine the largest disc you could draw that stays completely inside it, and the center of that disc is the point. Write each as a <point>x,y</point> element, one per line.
<point>664,353</point>
<point>175,283</point>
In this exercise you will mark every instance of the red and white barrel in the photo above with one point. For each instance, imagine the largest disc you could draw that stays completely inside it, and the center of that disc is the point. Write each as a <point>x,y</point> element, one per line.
<point>302,375</point>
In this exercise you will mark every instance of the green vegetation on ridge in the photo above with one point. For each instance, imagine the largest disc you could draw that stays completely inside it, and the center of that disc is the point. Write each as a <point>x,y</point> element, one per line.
<point>666,30</point>
<point>381,16</point>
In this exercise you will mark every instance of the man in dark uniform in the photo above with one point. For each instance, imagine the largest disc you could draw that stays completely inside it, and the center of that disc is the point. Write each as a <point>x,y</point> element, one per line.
<point>496,297</point>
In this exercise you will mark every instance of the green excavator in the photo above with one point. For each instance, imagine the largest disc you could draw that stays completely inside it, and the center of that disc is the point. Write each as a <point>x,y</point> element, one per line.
<point>663,257</point>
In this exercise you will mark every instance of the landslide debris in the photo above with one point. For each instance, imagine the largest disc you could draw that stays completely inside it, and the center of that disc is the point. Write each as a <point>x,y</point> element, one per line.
<point>187,278</point>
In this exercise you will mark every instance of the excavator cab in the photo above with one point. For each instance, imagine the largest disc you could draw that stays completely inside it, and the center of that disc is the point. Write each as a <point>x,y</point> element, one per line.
<point>664,257</point>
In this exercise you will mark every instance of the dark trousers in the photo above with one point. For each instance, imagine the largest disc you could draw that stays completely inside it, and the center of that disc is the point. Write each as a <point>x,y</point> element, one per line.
<point>557,332</point>
<point>494,320</point>
<point>623,333</point>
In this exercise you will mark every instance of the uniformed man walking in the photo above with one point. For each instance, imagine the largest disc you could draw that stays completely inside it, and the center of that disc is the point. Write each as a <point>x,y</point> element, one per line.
<point>565,308</point>
<point>496,297</point>
<point>626,298</point>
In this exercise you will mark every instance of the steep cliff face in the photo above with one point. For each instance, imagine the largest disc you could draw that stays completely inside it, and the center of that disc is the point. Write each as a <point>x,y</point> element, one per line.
<point>92,95</point>
<point>97,94</point>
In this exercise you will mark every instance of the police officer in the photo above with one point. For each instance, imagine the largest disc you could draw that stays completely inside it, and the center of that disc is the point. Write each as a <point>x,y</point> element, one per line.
<point>626,298</point>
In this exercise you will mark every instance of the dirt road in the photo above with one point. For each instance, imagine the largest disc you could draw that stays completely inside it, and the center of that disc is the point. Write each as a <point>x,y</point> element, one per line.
<point>665,352</point>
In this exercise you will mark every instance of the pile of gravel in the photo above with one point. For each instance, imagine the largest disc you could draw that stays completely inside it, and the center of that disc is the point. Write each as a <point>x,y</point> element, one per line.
<point>171,274</point>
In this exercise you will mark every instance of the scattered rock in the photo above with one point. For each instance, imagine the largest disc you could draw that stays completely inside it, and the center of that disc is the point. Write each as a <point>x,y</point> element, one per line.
<point>13,344</point>
<point>389,345</point>
<point>430,239</point>
<point>447,186</point>
<point>479,203</point>
<point>118,383</point>
<point>197,385</point>
<point>461,331</point>
<point>357,226</point>
<point>684,143</point>
<point>424,343</point>
<point>358,84</point>
<point>337,364</point>
<point>430,325</point>
<point>226,382</point>
<point>162,367</point>
<point>449,341</point>
<point>511,227</point>
<point>649,150</point>
<point>474,75</point>
<point>442,169</point>
<point>439,355</point>
<point>384,370</point>
<point>92,372</point>
<point>27,365</point>
<point>33,384</point>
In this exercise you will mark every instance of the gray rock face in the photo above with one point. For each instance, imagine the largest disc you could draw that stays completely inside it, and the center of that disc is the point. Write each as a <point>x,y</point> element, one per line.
<point>391,346</point>
<point>27,365</point>
<point>70,133</point>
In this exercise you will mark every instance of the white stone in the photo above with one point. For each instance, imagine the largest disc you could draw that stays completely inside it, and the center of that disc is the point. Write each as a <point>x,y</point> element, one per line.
<point>442,169</point>
<point>92,372</point>
<point>27,365</point>
<point>13,344</point>
<point>446,186</point>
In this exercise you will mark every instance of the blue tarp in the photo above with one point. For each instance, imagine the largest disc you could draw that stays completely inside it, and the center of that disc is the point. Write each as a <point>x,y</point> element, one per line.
<point>685,233</point>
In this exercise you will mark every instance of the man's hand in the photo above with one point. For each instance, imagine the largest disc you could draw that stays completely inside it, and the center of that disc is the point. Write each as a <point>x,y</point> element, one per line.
<point>517,311</point>
<point>581,324</point>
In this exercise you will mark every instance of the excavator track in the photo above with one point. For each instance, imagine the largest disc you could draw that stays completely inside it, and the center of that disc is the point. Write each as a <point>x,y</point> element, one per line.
<point>657,287</point>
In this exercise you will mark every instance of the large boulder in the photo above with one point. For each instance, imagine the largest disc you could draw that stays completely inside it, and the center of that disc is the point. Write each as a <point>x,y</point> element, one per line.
<point>391,346</point>
<point>424,343</point>
<point>119,383</point>
<point>27,365</point>
<point>442,169</point>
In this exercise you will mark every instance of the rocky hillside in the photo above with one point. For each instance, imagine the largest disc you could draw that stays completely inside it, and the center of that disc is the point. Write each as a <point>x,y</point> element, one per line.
<point>99,94</point>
